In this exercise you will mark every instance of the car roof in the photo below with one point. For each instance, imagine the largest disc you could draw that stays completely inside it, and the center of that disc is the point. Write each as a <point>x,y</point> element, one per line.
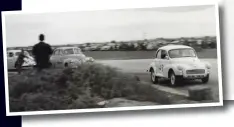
<point>169,47</point>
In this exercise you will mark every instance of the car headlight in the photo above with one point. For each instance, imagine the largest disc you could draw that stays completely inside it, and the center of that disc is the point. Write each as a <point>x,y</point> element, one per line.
<point>180,68</point>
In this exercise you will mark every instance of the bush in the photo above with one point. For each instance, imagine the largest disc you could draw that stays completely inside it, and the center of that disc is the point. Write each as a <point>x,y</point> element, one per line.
<point>57,89</point>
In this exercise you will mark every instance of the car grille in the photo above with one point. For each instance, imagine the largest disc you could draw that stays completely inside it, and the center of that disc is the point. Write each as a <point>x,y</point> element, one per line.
<point>196,71</point>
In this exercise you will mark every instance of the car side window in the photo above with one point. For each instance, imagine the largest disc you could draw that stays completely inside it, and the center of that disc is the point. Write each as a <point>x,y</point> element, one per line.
<point>158,55</point>
<point>61,52</point>
<point>57,52</point>
<point>77,51</point>
<point>163,54</point>
<point>69,51</point>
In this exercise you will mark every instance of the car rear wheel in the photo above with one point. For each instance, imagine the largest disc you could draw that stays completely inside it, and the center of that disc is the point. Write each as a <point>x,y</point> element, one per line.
<point>66,65</point>
<point>206,79</point>
<point>174,80</point>
<point>153,77</point>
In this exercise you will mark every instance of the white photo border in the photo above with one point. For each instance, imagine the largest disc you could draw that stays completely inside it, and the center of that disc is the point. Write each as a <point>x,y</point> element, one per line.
<point>8,113</point>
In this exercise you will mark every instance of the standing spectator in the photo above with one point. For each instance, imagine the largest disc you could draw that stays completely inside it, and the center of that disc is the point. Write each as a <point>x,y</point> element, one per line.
<point>20,60</point>
<point>42,52</point>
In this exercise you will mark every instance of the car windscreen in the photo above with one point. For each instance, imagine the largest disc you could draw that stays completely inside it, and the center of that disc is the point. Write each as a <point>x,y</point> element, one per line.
<point>68,51</point>
<point>178,53</point>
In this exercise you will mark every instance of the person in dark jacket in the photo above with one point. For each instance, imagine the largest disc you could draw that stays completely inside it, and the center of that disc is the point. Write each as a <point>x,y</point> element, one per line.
<point>42,52</point>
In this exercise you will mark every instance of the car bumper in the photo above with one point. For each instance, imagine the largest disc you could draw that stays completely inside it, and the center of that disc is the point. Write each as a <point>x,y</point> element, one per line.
<point>198,76</point>
<point>193,76</point>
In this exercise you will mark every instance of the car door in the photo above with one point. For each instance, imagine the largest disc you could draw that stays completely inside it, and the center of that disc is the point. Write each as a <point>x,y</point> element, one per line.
<point>79,55</point>
<point>55,58</point>
<point>157,63</point>
<point>61,57</point>
<point>164,61</point>
<point>64,55</point>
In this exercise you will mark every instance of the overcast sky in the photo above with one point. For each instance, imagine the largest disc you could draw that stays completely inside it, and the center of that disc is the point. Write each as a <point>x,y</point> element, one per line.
<point>101,26</point>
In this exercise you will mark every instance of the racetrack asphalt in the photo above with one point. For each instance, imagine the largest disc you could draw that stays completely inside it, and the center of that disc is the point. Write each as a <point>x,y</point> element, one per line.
<point>138,67</point>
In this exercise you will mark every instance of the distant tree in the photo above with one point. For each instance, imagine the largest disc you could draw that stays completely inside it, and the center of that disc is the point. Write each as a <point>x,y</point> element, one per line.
<point>88,44</point>
<point>145,40</point>
<point>123,46</point>
<point>206,37</point>
<point>182,38</point>
<point>204,45</point>
<point>113,41</point>
<point>111,48</point>
<point>142,46</point>
<point>213,45</point>
<point>186,42</point>
<point>81,47</point>
<point>116,47</point>
<point>131,47</point>
<point>161,38</point>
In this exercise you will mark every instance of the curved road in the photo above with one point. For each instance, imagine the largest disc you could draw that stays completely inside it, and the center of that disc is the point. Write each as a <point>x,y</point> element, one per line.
<point>138,67</point>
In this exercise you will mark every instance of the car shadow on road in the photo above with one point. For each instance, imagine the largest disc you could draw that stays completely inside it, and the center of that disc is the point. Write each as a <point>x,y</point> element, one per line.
<point>184,83</point>
<point>166,83</point>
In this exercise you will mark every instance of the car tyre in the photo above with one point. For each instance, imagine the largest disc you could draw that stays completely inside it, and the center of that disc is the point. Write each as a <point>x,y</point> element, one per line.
<point>174,80</point>
<point>153,77</point>
<point>206,79</point>
<point>66,65</point>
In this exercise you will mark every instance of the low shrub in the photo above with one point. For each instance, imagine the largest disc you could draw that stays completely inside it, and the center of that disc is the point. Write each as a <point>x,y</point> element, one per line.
<point>57,89</point>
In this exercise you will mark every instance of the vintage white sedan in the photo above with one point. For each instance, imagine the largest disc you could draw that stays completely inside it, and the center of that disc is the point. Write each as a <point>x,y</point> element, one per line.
<point>68,57</point>
<point>12,56</point>
<point>178,62</point>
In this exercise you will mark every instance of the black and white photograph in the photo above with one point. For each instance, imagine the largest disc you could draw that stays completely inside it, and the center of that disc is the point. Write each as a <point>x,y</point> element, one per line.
<point>112,60</point>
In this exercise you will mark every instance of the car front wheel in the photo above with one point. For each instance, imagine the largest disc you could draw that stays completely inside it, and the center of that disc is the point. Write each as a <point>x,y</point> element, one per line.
<point>153,77</point>
<point>206,79</point>
<point>174,80</point>
<point>66,65</point>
